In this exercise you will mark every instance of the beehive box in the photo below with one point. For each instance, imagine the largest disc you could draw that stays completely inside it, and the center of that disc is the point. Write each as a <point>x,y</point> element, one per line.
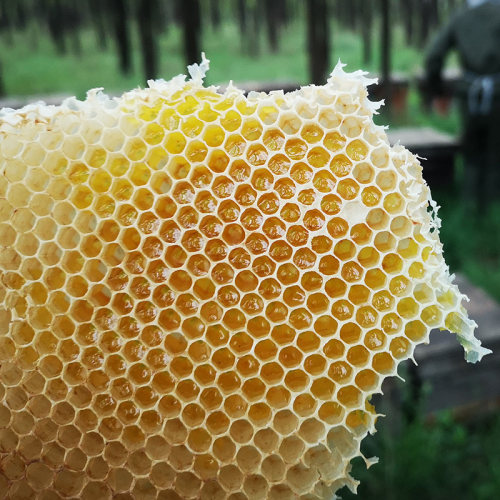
<point>201,291</point>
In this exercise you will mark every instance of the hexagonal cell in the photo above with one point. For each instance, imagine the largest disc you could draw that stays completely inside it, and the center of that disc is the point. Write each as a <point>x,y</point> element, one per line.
<point>307,196</point>
<point>400,348</point>
<point>383,363</point>
<point>186,332</point>
<point>399,286</point>
<point>305,404</point>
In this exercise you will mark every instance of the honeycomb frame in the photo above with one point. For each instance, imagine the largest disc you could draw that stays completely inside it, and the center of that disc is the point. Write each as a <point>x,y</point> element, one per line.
<point>200,291</point>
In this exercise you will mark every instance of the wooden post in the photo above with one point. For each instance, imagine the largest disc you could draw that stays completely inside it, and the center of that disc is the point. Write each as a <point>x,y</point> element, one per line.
<point>146,11</point>
<point>191,27</point>
<point>318,40</point>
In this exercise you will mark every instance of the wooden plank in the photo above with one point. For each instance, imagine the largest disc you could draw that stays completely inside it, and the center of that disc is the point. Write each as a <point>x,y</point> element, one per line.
<point>416,138</point>
<point>393,90</point>
<point>437,150</point>
<point>260,86</point>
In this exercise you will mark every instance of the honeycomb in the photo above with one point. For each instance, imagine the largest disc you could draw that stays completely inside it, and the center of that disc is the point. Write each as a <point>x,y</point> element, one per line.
<point>201,290</point>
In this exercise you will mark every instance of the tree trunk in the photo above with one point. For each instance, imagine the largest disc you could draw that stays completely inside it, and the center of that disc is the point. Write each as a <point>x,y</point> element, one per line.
<point>241,14</point>
<point>352,11</point>
<point>76,41</point>
<point>272,22</point>
<point>408,21</point>
<point>33,33</point>
<point>339,12</point>
<point>253,28</point>
<point>2,85</point>
<point>366,27</point>
<point>434,13</point>
<point>412,400</point>
<point>162,17</point>
<point>6,21</point>
<point>145,18</point>
<point>121,30</point>
<point>385,46</point>
<point>425,20</point>
<point>318,40</point>
<point>21,15</point>
<point>215,16</point>
<point>345,13</point>
<point>73,16</point>
<point>97,16</point>
<point>56,22</point>
<point>284,14</point>
<point>191,27</point>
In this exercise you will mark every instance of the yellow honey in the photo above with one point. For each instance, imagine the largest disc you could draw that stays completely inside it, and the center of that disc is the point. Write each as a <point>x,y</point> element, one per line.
<point>200,291</point>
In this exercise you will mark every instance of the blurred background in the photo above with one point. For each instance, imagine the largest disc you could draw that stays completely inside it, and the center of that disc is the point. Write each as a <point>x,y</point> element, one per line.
<point>441,437</point>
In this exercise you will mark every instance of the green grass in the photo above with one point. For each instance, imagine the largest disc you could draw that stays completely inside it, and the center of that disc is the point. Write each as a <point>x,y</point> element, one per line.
<point>441,460</point>
<point>31,64</point>
<point>438,458</point>
<point>471,241</point>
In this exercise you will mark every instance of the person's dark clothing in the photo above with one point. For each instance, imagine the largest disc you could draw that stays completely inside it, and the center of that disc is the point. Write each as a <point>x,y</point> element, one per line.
<point>475,35</point>
<point>481,153</point>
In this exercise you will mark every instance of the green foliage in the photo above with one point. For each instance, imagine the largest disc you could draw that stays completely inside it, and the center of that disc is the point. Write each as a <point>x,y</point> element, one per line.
<point>418,116</point>
<point>471,241</point>
<point>31,64</point>
<point>440,459</point>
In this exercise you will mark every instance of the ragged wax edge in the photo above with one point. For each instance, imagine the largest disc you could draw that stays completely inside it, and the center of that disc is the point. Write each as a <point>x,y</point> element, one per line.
<point>338,228</point>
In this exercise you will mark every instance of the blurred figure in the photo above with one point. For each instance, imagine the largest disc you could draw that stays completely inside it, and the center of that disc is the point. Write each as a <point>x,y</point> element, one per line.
<point>475,34</point>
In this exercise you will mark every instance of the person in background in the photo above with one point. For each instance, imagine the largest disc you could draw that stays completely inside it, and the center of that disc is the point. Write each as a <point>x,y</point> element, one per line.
<point>474,33</point>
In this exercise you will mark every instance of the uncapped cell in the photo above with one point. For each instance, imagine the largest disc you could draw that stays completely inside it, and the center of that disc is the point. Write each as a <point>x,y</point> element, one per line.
<point>200,291</point>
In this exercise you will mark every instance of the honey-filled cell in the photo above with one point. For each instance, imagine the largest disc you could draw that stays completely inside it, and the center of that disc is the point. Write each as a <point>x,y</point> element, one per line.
<point>202,289</point>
